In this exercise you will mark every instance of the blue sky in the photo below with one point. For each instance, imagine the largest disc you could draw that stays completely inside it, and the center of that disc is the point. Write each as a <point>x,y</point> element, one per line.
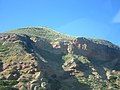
<point>89,18</point>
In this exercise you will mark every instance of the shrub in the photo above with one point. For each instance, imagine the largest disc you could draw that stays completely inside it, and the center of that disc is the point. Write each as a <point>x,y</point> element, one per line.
<point>8,82</point>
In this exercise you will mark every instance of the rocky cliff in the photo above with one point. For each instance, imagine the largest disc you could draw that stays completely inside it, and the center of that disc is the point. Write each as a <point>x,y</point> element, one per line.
<point>42,59</point>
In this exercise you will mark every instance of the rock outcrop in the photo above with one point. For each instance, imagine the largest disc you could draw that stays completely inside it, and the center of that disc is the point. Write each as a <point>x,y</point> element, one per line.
<point>34,62</point>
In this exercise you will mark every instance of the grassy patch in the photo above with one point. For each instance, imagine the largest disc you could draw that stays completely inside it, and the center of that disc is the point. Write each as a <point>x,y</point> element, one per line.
<point>3,48</point>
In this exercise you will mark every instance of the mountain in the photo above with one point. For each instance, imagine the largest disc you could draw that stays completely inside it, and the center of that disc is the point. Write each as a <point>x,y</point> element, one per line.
<point>38,58</point>
<point>42,32</point>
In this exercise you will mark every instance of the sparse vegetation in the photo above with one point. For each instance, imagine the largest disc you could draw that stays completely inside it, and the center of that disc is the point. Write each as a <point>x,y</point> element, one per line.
<point>42,32</point>
<point>8,84</point>
<point>3,48</point>
<point>25,63</point>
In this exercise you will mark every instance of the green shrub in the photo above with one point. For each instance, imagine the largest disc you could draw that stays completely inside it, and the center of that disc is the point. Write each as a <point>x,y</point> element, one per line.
<point>3,48</point>
<point>67,57</point>
<point>7,88</point>
<point>8,82</point>
<point>113,79</point>
<point>83,59</point>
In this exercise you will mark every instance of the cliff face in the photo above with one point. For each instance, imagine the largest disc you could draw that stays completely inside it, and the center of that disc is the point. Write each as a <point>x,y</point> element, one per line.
<point>31,62</point>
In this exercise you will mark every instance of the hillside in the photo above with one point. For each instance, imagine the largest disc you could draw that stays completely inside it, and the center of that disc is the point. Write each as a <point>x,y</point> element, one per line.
<point>41,59</point>
<point>42,32</point>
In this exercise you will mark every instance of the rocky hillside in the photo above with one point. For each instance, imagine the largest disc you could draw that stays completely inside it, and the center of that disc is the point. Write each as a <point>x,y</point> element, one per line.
<point>42,32</point>
<point>41,59</point>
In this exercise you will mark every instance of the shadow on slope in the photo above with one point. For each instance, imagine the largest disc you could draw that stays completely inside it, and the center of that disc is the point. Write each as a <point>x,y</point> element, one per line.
<point>56,76</point>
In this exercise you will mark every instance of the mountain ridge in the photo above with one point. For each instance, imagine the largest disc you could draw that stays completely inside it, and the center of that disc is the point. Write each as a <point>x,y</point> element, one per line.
<point>41,31</point>
<point>45,60</point>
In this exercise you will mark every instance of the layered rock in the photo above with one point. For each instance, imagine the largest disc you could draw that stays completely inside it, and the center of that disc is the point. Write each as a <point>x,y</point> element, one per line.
<point>38,63</point>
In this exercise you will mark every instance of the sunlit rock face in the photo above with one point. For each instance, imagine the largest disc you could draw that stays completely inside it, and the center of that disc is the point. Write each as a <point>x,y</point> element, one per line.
<point>8,37</point>
<point>33,61</point>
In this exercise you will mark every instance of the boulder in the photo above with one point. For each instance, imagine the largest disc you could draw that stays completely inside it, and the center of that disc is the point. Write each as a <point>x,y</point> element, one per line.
<point>5,66</point>
<point>43,84</point>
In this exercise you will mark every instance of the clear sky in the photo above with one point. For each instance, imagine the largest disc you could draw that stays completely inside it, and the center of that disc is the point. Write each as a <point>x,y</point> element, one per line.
<point>89,18</point>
